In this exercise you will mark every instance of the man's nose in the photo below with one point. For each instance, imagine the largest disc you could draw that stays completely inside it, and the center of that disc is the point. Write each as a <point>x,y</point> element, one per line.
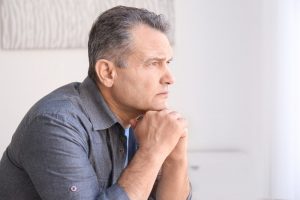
<point>168,78</point>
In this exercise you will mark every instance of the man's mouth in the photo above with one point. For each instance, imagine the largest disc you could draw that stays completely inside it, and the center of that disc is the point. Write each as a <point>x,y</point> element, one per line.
<point>166,93</point>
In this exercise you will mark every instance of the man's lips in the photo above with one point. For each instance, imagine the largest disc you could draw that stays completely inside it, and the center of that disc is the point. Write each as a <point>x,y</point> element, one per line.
<point>166,93</point>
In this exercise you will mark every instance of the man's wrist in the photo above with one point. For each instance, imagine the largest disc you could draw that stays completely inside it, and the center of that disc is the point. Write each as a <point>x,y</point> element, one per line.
<point>178,159</point>
<point>150,156</point>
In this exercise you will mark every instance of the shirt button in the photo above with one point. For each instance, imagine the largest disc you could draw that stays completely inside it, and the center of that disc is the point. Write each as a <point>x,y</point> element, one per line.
<point>123,139</point>
<point>121,150</point>
<point>73,188</point>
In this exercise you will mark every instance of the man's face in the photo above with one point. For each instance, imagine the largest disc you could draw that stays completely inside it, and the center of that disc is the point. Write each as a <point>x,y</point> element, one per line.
<point>143,84</point>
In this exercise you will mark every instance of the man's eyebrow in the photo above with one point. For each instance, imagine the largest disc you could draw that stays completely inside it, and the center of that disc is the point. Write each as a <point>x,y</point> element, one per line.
<point>171,59</point>
<point>158,59</point>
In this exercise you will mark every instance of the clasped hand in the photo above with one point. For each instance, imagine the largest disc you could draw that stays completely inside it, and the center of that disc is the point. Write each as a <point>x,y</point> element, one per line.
<point>163,133</point>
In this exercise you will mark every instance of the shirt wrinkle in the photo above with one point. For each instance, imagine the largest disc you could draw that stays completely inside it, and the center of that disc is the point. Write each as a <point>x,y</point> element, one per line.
<point>65,134</point>
<point>91,98</point>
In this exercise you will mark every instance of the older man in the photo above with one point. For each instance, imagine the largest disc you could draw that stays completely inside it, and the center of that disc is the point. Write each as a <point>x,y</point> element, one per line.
<point>111,136</point>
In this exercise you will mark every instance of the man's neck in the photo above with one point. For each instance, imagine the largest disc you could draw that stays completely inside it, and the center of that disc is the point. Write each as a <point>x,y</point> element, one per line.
<point>122,114</point>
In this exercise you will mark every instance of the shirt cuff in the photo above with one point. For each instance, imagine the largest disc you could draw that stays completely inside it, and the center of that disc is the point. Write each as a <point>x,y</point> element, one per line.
<point>115,192</point>
<point>190,193</point>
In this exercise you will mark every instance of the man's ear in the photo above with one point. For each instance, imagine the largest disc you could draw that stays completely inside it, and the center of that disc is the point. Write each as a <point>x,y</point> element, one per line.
<point>106,72</point>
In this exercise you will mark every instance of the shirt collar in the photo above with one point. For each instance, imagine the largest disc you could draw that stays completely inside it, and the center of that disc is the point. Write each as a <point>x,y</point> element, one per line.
<point>98,111</point>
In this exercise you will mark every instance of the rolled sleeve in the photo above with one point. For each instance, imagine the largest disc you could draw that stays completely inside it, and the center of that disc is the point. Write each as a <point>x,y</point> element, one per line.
<point>190,193</point>
<point>154,189</point>
<point>55,156</point>
<point>115,192</point>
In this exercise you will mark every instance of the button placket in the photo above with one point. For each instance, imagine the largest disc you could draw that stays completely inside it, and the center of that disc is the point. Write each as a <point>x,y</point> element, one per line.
<point>122,146</point>
<point>121,150</point>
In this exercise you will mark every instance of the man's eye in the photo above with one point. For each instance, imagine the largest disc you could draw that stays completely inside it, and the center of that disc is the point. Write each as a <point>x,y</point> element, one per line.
<point>155,63</point>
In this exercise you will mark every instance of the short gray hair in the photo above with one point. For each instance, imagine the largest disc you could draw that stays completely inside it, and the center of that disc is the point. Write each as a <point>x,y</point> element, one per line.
<point>110,36</point>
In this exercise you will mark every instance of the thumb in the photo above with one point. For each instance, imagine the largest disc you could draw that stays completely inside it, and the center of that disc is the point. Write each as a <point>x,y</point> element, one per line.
<point>133,122</point>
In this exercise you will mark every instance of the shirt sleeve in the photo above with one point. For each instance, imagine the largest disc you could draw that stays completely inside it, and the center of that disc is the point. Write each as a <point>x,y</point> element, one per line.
<point>154,189</point>
<point>55,157</point>
<point>190,194</point>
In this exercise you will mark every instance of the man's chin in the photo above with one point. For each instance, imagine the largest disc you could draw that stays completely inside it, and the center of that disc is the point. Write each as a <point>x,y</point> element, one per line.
<point>159,107</point>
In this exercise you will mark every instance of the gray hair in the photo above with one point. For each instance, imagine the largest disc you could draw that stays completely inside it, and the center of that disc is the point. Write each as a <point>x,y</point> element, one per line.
<point>110,36</point>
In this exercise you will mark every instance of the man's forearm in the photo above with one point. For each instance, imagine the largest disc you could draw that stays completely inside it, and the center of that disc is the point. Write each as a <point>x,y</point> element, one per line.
<point>174,181</point>
<point>138,178</point>
<point>158,134</point>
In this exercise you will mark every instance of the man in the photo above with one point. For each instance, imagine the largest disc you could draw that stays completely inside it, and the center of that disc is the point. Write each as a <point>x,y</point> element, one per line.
<point>111,136</point>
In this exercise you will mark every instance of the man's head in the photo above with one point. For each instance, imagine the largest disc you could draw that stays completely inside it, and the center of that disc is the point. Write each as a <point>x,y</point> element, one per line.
<point>129,54</point>
<point>110,36</point>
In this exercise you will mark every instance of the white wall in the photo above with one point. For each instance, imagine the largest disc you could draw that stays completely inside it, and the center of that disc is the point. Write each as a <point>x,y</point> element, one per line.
<point>220,89</point>
<point>285,59</point>
<point>225,87</point>
<point>26,76</point>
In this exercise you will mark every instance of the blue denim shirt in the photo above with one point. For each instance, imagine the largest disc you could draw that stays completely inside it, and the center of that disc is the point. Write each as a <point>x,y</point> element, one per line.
<point>68,146</point>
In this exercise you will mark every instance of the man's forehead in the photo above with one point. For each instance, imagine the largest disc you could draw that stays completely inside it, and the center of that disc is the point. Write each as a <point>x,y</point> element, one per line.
<point>149,43</point>
<point>153,54</point>
<point>147,38</point>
